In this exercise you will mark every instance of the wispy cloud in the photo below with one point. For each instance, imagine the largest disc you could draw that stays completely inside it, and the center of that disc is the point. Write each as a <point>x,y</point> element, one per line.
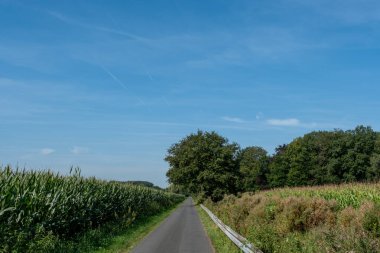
<point>71,21</point>
<point>346,11</point>
<point>32,56</point>
<point>284,122</point>
<point>47,151</point>
<point>114,77</point>
<point>79,150</point>
<point>233,119</point>
<point>263,44</point>
<point>122,84</point>
<point>7,82</point>
<point>271,43</point>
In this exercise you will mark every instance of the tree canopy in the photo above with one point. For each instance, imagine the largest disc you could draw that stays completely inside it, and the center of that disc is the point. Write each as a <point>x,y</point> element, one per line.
<point>142,183</point>
<point>253,167</point>
<point>204,163</point>
<point>207,163</point>
<point>326,157</point>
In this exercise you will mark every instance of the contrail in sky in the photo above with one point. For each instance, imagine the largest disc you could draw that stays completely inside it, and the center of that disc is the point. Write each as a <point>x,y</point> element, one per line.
<point>72,21</point>
<point>117,80</point>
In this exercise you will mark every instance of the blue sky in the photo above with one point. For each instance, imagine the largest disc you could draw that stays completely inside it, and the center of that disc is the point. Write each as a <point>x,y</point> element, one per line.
<point>110,85</point>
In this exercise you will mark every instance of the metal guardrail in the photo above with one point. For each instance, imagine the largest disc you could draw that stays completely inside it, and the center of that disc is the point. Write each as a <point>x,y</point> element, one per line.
<point>239,240</point>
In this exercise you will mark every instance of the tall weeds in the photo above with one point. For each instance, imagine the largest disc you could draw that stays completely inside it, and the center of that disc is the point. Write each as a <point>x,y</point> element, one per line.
<point>343,218</point>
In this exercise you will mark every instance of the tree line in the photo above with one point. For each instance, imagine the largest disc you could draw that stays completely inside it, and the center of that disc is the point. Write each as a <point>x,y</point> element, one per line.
<point>207,163</point>
<point>140,183</point>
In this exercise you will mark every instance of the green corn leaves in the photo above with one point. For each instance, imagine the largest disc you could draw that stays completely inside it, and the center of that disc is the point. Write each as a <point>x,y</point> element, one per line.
<point>345,195</point>
<point>68,205</point>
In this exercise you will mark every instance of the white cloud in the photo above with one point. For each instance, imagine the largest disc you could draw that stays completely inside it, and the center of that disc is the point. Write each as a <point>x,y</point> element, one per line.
<point>233,119</point>
<point>284,122</point>
<point>79,150</point>
<point>47,151</point>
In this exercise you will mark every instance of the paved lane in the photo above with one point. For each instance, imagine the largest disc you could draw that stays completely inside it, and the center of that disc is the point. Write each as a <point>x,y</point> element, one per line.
<point>181,232</point>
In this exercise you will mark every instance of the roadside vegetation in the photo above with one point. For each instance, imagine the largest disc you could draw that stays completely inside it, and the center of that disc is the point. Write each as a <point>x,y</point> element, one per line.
<point>124,241</point>
<point>220,242</point>
<point>45,212</point>
<point>318,193</point>
<point>344,218</point>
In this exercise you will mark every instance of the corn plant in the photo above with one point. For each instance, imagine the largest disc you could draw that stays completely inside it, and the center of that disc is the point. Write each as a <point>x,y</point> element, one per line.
<point>33,202</point>
<point>345,194</point>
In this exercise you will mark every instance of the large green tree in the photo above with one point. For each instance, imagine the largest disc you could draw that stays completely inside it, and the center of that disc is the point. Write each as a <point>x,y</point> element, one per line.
<point>253,167</point>
<point>373,172</point>
<point>299,163</point>
<point>204,163</point>
<point>278,167</point>
<point>327,157</point>
<point>356,162</point>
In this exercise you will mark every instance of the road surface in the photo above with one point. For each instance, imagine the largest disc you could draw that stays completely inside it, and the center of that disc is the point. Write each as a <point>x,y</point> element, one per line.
<point>181,232</point>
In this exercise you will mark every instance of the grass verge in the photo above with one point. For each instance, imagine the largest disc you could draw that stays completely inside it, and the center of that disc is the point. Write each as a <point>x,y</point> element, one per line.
<point>221,243</point>
<point>126,241</point>
<point>111,237</point>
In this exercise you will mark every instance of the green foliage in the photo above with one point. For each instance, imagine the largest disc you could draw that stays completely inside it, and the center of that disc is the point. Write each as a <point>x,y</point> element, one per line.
<point>124,240</point>
<point>278,168</point>
<point>253,167</point>
<point>39,208</point>
<point>220,242</point>
<point>179,189</point>
<point>373,173</point>
<point>142,183</point>
<point>335,218</point>
<point>298,157</point>
<point>204,163</point>
<point>327,157</point>
<point>371,221</point>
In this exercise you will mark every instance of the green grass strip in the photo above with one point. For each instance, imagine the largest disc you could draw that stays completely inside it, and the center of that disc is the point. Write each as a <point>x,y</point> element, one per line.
<point>221,243</point>
<point>126,241</point>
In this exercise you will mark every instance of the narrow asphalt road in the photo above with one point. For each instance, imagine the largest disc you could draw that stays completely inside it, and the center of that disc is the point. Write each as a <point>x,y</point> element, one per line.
<point>181,232</point>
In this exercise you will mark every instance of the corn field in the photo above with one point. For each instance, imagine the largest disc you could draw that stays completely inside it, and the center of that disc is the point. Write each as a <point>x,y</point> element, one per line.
<point>34,203</point>
<point>345,195</point>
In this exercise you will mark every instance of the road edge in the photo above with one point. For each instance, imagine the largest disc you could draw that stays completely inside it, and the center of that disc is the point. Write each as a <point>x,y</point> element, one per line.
<point>219,241</point>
